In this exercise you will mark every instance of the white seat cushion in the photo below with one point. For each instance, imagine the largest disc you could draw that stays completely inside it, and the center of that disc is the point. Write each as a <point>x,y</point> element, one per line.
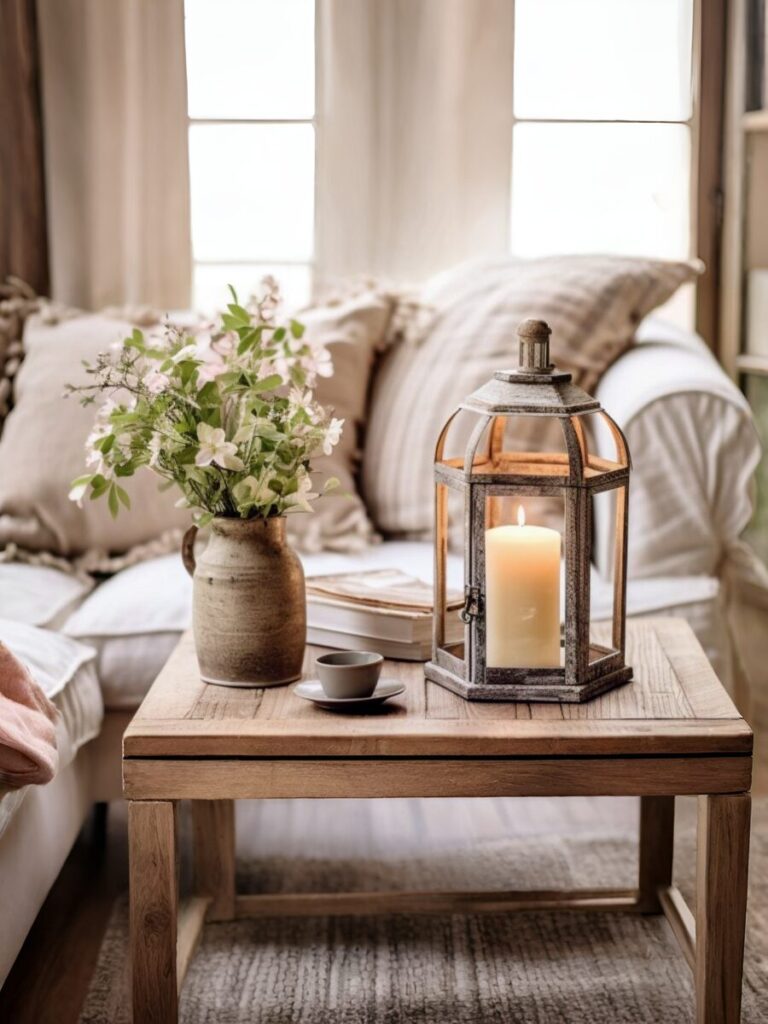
<point>66,671</point>
<point>135,618</point>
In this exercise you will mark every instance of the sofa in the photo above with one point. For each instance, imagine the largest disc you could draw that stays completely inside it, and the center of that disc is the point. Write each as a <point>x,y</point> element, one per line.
<point>99,642</point>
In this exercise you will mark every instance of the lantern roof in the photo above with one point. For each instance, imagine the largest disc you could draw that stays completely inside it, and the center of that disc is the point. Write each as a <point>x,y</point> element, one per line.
<point>535,387</point>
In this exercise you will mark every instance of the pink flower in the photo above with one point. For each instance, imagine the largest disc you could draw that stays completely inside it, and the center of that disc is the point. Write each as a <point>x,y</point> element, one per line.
<point>208,371</point>
<point>156,382</point>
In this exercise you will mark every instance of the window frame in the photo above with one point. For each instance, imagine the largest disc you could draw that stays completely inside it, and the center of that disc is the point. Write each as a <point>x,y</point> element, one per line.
<point>705,124</point>
<point>309,264</point>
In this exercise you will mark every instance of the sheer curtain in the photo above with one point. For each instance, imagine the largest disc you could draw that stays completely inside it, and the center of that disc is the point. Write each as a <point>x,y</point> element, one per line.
<point>115,117</point>
<point>414,134</point>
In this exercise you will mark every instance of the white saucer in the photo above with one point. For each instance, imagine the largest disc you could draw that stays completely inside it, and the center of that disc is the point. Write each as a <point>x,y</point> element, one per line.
<point>311,689</point>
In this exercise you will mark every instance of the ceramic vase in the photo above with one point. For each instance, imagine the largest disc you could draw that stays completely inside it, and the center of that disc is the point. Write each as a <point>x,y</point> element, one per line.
<point>249,604</point>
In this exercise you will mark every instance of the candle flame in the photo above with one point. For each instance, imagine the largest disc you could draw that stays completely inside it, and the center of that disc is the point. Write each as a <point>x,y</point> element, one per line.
<point>520,515</point>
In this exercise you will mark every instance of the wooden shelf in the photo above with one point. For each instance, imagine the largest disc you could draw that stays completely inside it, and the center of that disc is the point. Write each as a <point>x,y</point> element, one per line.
<point>752,363</point>
<point>755,121</point>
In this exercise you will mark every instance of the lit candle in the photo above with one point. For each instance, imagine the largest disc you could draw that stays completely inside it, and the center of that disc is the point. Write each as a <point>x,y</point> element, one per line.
<point>522,596</point>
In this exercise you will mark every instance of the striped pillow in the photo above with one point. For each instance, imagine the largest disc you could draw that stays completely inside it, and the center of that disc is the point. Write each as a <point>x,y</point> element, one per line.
<point>593,305</point>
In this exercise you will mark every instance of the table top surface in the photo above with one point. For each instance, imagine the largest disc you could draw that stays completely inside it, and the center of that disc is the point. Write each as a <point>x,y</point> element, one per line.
<point>675,705</point>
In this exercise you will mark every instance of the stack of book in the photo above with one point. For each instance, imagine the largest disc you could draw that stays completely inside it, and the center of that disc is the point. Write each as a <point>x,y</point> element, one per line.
<point>381,610</point>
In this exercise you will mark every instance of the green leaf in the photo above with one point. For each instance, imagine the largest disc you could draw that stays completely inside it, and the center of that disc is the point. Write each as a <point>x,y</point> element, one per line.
<point>279,334</point>
<point>297,329</point>
<point>232,292</point>
<point>247,339</point>
<point>136,340</point>
<point>78,481</point>
<point>231,323</point>
<point>331,484</point>
<point>112,500</point>
<point>208,393</point>
<point>267,383</point>
<point>187,370</point>
<point>123,496</point>
<point>239,314</point>
<point>298,376</point>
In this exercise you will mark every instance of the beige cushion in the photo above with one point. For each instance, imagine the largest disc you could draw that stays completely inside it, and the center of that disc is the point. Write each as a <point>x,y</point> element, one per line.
<point>42,446</point>
<point>42,451</point>
<point>592,303</point>
<point>353,331</point>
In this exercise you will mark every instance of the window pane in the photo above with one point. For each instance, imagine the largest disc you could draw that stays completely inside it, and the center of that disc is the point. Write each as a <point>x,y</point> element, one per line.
<point>250,58</point>
<point>612,188</point>
<point>757,534</point>
<point>210,291</point>
<point>603,59</point>
<point>252,191</point>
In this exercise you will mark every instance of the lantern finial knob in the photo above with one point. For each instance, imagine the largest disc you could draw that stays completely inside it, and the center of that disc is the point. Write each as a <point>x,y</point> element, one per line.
<point>533,336</point>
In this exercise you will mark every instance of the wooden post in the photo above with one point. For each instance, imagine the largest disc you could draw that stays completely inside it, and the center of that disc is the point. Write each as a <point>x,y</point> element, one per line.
<point>213,822</point>
<point>721,905</point>
<point>154,910</point>
<point>657,834</point>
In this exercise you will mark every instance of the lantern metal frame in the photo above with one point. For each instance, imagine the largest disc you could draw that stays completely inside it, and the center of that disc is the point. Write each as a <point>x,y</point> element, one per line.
<point>535,388</point>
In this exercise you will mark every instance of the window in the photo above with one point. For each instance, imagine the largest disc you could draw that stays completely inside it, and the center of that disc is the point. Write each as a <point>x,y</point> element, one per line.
<point>601,145</point>
<point>251,107</point>
<point>601,149</point>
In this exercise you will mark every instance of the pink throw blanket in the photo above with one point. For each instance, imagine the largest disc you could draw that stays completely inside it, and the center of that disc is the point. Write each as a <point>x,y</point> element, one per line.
<point>28,752</point>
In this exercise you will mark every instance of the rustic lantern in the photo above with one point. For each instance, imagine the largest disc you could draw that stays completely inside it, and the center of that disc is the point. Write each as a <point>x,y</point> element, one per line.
<point>514,647</point>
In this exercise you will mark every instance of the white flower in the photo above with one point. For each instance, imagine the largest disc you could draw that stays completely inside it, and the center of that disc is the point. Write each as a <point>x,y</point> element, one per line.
<point>332,435</point>
<point>95,461</point>
<point>300,500</point>
<point>187,352</point>
<point>203,342</point>
<point>77,493</point>
<point>300,399</point>
<point>156,381</point>
<point>323,362</point>
<point>123,444</point>
<point>226,344</point>
<point>209,371</point>
<point>155,444</point>
<point>214,447</point>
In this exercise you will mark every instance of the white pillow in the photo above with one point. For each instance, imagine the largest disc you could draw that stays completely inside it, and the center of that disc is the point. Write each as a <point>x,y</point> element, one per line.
<point>39,595</point>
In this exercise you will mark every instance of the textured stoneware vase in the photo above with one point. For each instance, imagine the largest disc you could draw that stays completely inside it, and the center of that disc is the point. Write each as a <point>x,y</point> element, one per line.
<point>249,603</point>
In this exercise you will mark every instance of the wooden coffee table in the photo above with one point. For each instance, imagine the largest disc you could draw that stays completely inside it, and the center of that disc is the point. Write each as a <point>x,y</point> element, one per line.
<point>673,731</point>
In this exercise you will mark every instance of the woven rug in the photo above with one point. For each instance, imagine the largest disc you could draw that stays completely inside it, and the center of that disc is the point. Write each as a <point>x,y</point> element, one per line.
<point>496,969</point>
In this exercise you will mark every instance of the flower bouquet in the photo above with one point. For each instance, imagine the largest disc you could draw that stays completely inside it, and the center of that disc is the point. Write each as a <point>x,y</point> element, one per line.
<point>229,417</point>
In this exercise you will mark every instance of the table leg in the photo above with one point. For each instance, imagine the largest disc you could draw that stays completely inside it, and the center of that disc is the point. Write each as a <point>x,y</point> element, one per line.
<point>723,857</point>
<point>213,824</point>
<point>657,837</point>
<point>153,910</point>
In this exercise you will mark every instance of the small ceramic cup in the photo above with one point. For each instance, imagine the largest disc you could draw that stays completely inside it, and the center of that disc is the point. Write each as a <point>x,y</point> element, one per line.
<point>346,675</point>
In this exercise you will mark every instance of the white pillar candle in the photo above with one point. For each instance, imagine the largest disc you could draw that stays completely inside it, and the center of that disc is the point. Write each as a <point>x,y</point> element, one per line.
<point>522,596</point>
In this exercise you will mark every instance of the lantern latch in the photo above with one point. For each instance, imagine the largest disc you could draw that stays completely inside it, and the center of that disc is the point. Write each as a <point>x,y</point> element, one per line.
<point>472,604</point>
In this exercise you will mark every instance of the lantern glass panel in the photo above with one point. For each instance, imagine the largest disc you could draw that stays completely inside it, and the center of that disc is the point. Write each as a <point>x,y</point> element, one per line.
<point>603,450</point>
<point>457,437</point>
<point>602,595</point>
<point>523,580</point>
<point>531,445</point>
<point>452,501</point>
